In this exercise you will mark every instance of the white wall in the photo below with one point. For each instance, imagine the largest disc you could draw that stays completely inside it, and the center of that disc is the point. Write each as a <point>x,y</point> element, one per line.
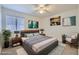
<point>57,31</point>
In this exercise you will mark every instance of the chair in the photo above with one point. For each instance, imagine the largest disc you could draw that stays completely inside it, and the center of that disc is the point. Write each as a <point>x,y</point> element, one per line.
<point>71,41</point>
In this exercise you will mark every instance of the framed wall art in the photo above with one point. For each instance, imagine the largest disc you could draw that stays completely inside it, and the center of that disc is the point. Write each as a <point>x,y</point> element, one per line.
<point>55,21</point>
<point>33,24</point>
<point>69,21</point>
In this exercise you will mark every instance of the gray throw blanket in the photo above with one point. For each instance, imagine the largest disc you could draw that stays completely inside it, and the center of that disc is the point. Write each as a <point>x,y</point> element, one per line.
<point>35,39</point>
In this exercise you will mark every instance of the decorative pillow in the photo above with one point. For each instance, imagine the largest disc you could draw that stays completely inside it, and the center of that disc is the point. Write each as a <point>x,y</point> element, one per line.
<point>29,35</point>
<point>68,39</point>
<point>24,38</point>
<point>74,36</point>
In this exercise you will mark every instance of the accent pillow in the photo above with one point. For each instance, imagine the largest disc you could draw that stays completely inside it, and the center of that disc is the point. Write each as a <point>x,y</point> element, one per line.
<point>68,39</point>
<point>24,38</point>
<point>74,36</point>
<point>29,35</point>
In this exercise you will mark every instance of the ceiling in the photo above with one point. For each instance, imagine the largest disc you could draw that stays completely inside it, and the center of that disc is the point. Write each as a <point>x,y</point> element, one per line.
<point>29,8</point>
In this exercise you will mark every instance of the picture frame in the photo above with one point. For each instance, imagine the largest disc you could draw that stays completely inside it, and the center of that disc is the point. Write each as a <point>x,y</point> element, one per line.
<point>33,24</point>
<point>54,21</point>
<point>69,21</point>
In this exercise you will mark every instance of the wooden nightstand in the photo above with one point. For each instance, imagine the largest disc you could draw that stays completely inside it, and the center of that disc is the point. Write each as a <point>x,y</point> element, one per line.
<point>16,41</point>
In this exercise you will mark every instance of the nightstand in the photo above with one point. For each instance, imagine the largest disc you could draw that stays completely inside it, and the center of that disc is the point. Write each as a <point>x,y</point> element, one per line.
<point>16,41</point>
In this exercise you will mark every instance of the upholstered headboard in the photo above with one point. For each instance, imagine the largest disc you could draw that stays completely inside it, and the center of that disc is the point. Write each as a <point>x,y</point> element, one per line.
<point>23,32</point>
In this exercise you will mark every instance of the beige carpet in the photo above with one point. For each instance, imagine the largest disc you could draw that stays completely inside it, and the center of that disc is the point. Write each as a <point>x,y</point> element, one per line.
<point>68,50</point>
<point>59,50</point>
<point>21,51</point>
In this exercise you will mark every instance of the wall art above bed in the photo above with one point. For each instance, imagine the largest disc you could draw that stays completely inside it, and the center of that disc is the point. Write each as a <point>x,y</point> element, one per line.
<point>55,21</point>
<point>33,24</point>
<point>69,21</point>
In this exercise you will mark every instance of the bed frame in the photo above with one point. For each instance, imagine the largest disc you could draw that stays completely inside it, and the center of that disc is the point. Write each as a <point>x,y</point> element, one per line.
<point>28,32</point>
<point>45,51</point>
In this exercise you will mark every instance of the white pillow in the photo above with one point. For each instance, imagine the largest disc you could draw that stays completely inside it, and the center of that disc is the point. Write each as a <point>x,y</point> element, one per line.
<point>74,36</point>
<point>24,38</point>
<point>29,35</point>
<point>68,39</point>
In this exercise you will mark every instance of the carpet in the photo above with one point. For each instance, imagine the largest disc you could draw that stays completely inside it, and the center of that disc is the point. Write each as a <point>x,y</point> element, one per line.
<point>68,50</point>
<point>61,49</point>
<point>57,51</point>
<point>10,51</point>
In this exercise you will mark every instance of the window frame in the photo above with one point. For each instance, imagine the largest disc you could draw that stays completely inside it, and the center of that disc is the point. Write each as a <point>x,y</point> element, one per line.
<point>16,18</point>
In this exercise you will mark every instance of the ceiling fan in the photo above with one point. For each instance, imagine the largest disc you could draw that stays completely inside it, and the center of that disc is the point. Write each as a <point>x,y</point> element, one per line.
<point>42,8</point>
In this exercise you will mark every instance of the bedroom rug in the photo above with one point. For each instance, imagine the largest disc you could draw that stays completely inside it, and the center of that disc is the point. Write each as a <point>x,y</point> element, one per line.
<point>68,50</point>
<point>10,51</point>
<point>61,49</point>
<point>57,51</point>
<point>21,51</point>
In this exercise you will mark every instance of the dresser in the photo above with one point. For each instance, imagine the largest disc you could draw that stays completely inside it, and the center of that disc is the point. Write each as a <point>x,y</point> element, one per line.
<point>16,41</point>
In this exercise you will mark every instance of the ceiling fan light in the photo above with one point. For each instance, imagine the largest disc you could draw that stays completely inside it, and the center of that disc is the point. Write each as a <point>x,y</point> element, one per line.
<point>42,8</point>
<point>41,11</point>
<point>41,5</point>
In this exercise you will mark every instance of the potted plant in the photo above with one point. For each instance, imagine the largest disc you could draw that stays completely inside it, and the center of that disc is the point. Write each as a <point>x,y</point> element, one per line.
<point>6,35</point>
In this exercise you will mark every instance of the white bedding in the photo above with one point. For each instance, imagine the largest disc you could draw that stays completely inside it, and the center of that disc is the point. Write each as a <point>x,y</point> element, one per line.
<point>68,39</point>
<point>41,45</point>
<point>24,38</point>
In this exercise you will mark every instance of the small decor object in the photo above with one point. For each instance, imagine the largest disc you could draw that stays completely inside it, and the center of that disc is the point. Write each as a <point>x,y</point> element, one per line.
<point>55,21</point>
<point>33,24</point>
<point>69,21</point>
<point>17,32</point>
<point>6,35</point>
<point>41,31</point>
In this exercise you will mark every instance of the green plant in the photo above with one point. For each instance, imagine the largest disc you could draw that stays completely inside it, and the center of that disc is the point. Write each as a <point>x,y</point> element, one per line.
<point>6,34</point>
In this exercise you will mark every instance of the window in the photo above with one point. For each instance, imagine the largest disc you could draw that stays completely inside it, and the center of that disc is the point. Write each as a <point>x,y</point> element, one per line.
<point>14,23</point>
<point>0,23</point>
<point>20,23</point>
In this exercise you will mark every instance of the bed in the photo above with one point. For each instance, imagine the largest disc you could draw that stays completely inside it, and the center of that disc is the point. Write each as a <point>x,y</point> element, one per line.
<point>38,44</point>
